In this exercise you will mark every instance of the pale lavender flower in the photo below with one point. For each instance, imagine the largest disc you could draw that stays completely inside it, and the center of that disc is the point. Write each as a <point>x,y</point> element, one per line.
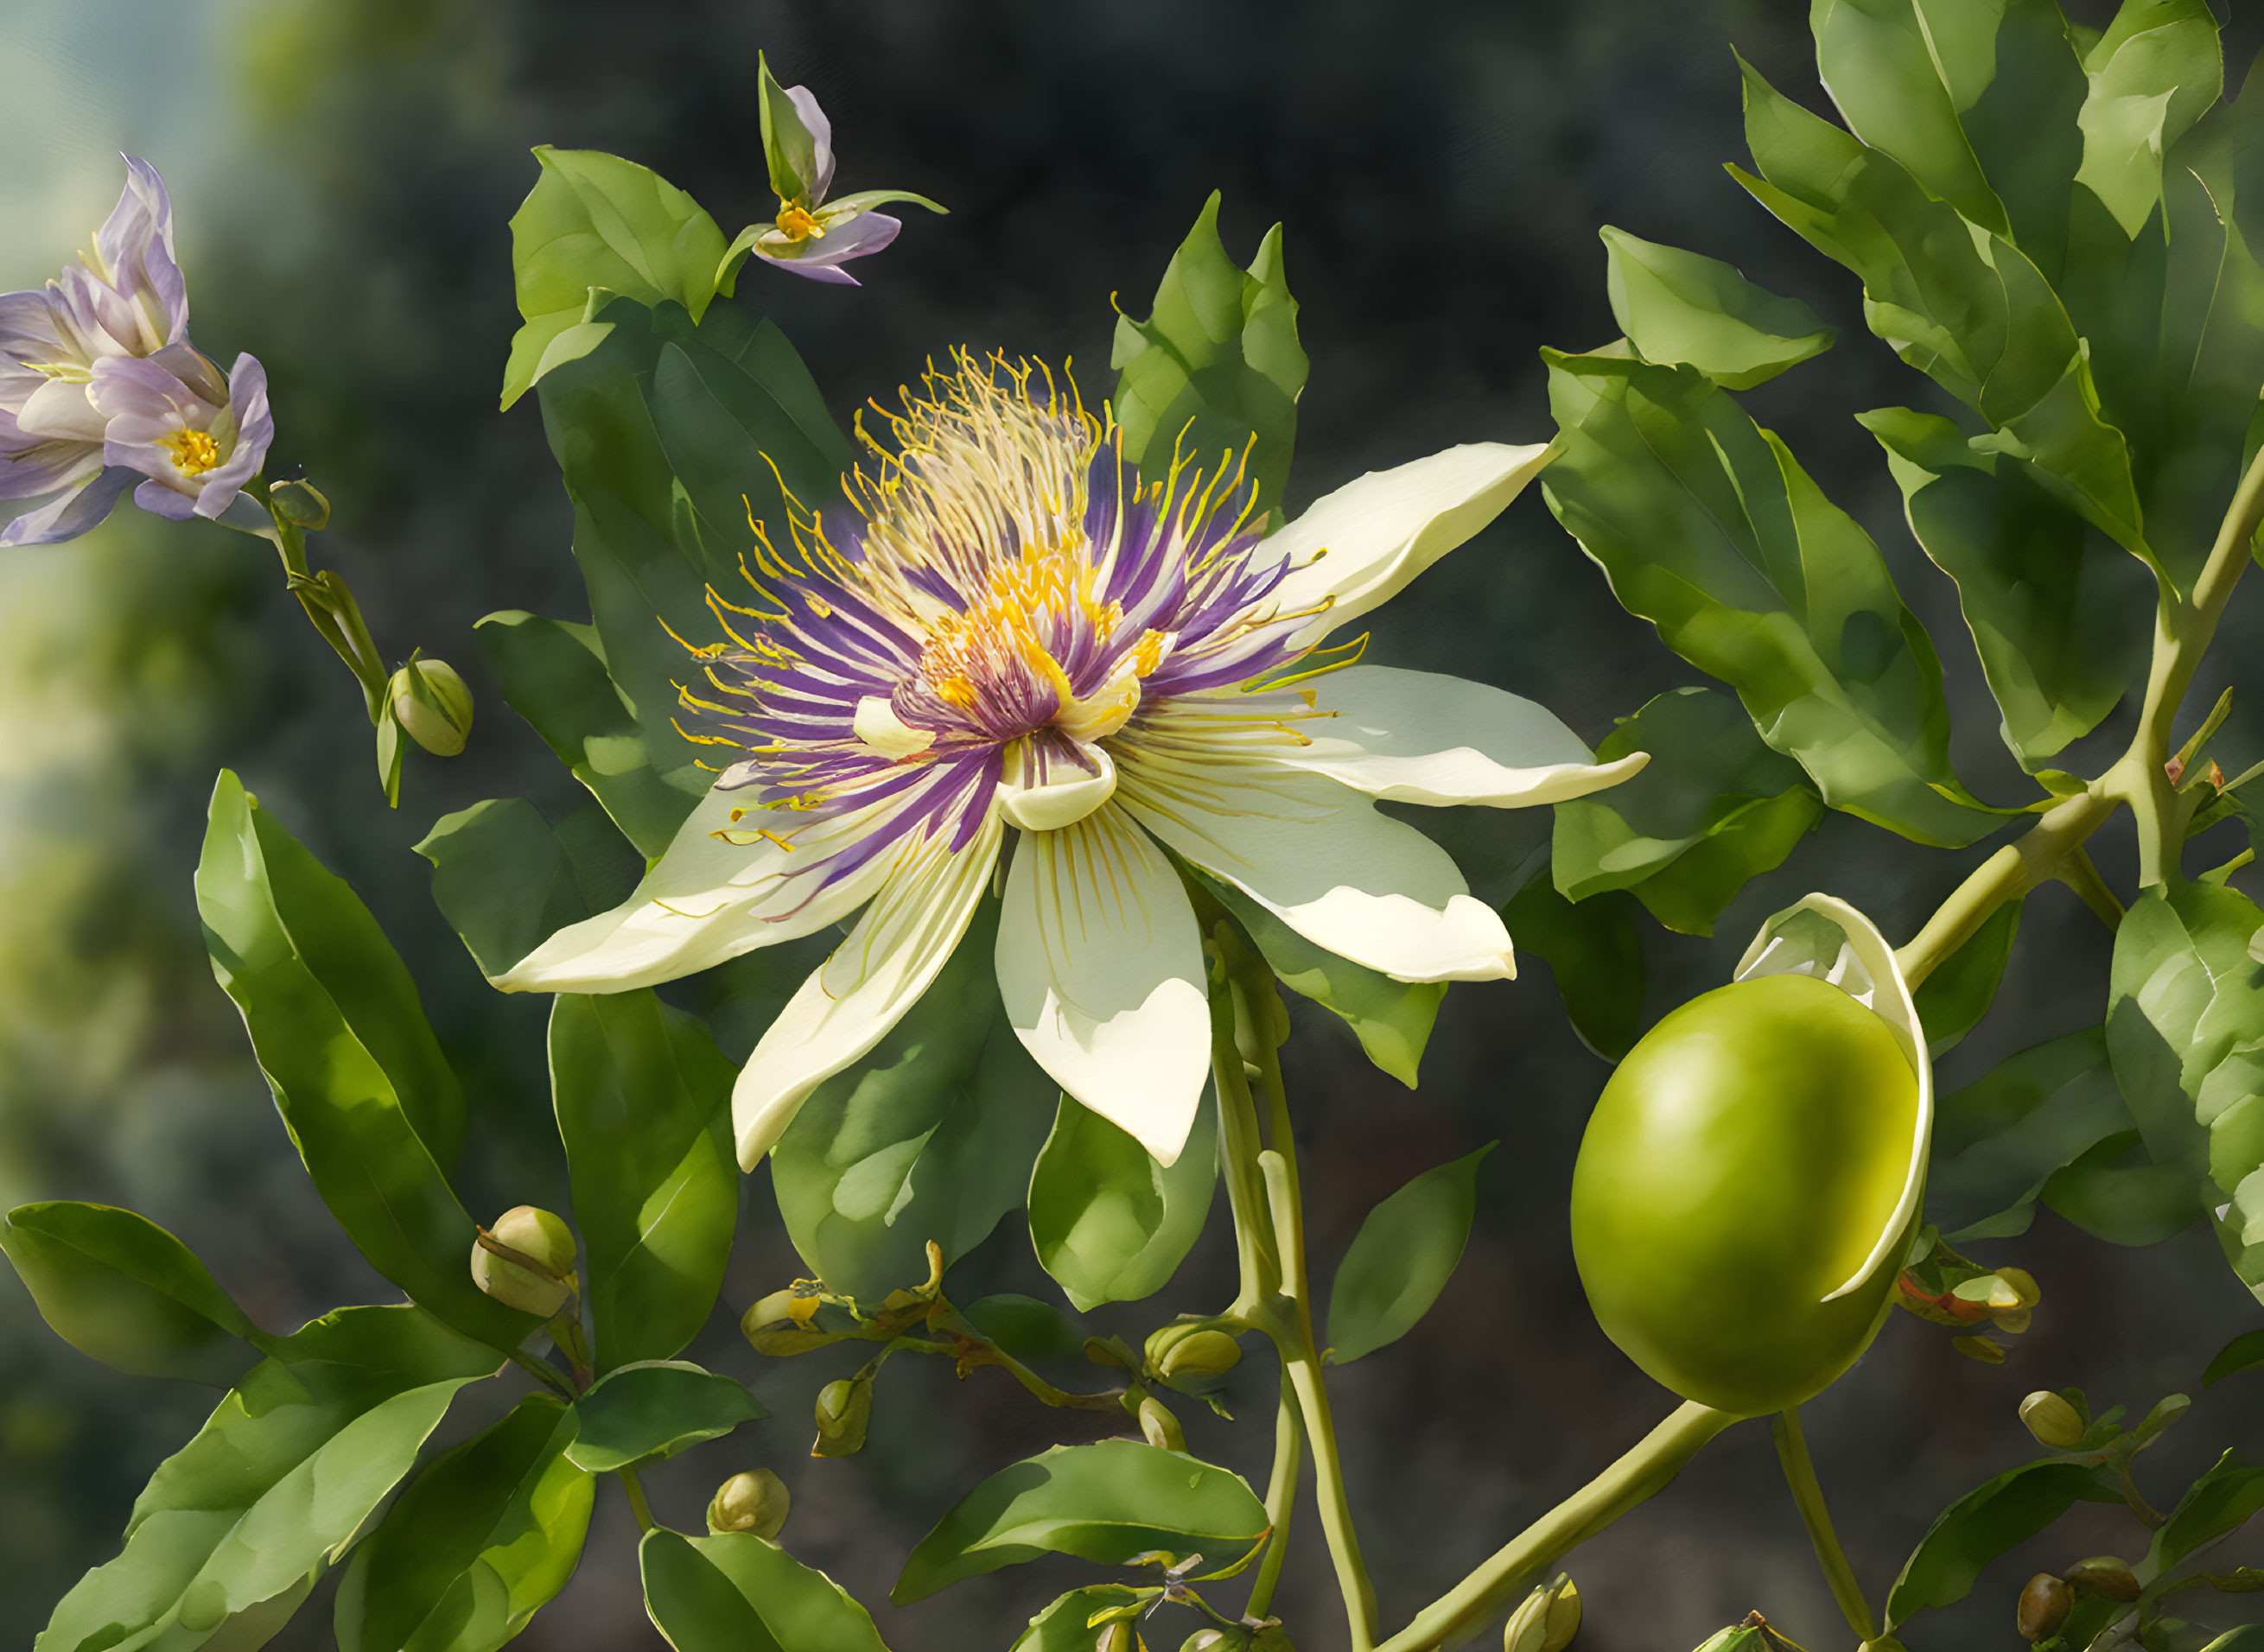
<point>198,444</point>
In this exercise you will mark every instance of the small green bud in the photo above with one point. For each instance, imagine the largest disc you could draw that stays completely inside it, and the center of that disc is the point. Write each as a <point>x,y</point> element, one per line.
<point>1160,1427</point>
<point>845,1407</point>
<point>546,1241</point>
<point>2052,1420</point>
<point>301,504</point>
<point>2105,1574</point>
<point>432,706</point>
<point>1185,1355</point>
<point>755,1502</point>
<point>1210,1641</point>
<point>2043,1607</point>
<point>1547,1621</point>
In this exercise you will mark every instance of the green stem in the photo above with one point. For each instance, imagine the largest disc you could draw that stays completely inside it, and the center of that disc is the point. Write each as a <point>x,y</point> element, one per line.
<point>2007,875</point>
<point>1280,1498</point>
<point>991,1354</point>
<point>1455,1615</point>
<point>544,1372</point>
<point>2080,873</point>
<point>1800,1474</point>
<point>638,1506</point>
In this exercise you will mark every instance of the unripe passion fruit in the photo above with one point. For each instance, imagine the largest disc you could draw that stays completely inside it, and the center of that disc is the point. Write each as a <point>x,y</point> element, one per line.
<point>1738,1172</point>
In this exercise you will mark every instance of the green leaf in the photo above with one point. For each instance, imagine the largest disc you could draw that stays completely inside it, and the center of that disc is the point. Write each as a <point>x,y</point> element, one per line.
<point>930,1137</point>
<point>1025,1327</point>
<point>357,1075</point>
<point>1594,953</point>
<point>1984,1523</point>
<point>737,1593</point>
<point>506,881</point>
<point>2214,1507</point>
<point>1066,1624</point>
<point>2244,1353</point>
<point>1680,307</point>
<point>1109,1223</point>
<point>232,1530</point>
<point>1406,1251</point>
<point>553,674</point>
<point>480,1540</point>
<point>644,1100</point>
<point>1216,365</point>
<point>1108,1502</point>
<point>2117,1192</point>
<point>594,220</point>
<point>1953,999</point>
<point>640,1414</point>
<point>1714,808</point>
<point>118,1287</point>
<point>2157,68</point>
<point>1392,1019</point>
<point>2056,619</point>
<point>1708,528</point>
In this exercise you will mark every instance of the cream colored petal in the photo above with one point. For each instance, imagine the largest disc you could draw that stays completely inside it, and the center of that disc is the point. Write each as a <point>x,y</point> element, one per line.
<point>1319,856</point>
<point>1100,969</point>
<point>1041,789</point>
<point>851,1001</point>
<point>1356,548</point>
<point>1418,737</point>
<point>718,890</point>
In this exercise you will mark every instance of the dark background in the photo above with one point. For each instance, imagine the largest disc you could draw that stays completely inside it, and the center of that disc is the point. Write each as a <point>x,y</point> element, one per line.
<point>347,170</point>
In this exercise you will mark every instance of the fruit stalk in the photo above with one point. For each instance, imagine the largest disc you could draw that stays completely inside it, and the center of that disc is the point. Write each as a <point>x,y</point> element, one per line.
<point>1808,1493</point>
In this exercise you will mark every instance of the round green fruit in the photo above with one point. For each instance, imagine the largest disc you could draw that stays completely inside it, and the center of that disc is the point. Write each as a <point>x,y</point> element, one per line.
<point>1739,1169</point>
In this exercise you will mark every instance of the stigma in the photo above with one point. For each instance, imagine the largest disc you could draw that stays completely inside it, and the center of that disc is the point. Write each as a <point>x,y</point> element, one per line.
<point>194,451</point>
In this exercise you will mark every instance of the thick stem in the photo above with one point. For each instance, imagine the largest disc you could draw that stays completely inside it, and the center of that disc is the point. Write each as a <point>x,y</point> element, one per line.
<point>2007,875</point>
<point>638,1506</point>
<point>1800,1474</point>
<point>1280,1498</point>
<point>1455,1615</point>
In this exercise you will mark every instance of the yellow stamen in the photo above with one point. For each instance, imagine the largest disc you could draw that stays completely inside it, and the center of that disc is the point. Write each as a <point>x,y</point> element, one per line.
<point>194,451</point>
<point>796,224</point>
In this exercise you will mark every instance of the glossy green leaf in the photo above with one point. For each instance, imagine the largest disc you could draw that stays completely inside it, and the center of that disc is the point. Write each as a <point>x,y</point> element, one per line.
<point>1714,808</point>
<point>642,1413</point>
<point>1682,307</point>
<point>1216,367</point>
<point>1595,953</point>
<point>594,220</point>
<point>1109,1223</point>
<point>2244,1353</point>
<point>1902,73</point>
<point>355,1070</point>
<point>1066,1624</point>
<point>644,1099</point>
<point>480,1541</point>
<point>1107,1502</point>
<point>118,1287</point>
<point>2060,622</point>
<point>1708,528</point>
<point>553,673</point>
<point>737,1593</point>
<point>232,1529</point>
<point>1406,1251</point>
<point>1025,1327</point>
<point>930,1137</point>
<point>1986,1522</point>
<point>1392,1019</point>
<point>506,880</point>
<point>2154,73</point>
<point>1953,999</point>
<point>2214,1507</point>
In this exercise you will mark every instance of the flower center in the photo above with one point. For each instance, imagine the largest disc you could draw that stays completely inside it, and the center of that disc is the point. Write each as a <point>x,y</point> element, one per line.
<point>796,224</point>
<point>194,451</point>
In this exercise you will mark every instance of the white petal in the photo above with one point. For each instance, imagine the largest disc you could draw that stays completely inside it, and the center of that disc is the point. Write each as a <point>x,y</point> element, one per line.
<point>1100,969</point>
<point>852,1000</point>
<point>1354,549</point>
<point>1319,856</point>
<point>1419,737</point>
<point>1042,788</point>
<point>708,899</point>
<point>62,410</point>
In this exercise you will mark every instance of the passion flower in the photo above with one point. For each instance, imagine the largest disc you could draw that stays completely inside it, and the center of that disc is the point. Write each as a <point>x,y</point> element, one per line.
<point>1751,1173</point>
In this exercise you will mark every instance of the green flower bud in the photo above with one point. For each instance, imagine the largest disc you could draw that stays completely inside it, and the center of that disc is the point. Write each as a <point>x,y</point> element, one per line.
<point>755,1502</point>
<point>1160,1427</point>
<point>1117,1637</point>
<point>1547,1621</point>
<point>1187,1354</point>
<point>845,1407</point>
<point>432,706</point>
<point>2052,1420</point>
<point>2105,1574</point>
<point>1213,1640</point>
<point>2043,1607</point>
<point>547,1243</point>
<point>1743,1188</point>
<point>301,504</point>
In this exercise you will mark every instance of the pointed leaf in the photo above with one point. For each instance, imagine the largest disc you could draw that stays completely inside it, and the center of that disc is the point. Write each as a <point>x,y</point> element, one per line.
<point>1986,1522</point>
<point>2155,71</point>
<point>642,1413</point>
<point>1885,64</point>
<point>2214,1507</point>
<point>1998,1142</point>
<point>1401,1258</point>
<point>1109,1223</point>
<point>1680,307</point>
<point>739,1593</point>
<point>2244,1353</point>
<point>506,881</point>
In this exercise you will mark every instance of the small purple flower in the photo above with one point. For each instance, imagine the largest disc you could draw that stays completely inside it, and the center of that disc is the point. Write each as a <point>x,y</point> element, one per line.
<point>197,444</point>
<point>811,237</point>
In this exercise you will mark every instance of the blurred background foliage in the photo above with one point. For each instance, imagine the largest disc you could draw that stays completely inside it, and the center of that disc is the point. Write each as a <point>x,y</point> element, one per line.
<point>344,170</point>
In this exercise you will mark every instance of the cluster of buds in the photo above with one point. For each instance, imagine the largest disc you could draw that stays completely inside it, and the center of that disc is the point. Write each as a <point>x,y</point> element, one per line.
<point>2046,1599</point>
<point>1945,1288</point>
<point>1547,1621</point>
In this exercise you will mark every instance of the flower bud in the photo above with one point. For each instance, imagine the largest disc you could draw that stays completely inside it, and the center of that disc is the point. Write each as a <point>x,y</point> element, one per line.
<point>2052,1420</point>
<point>1548,1621</point>
<point>2043,1607</point>
<point>432,706</point>
<point>301,504</point>
<point>1160,1427</point>
<point>845,1407</point>
<point>546,1241</point>
<point>2105,1574</point>
<point>1185,1354</point>
<point>1210,1641</point>
<point>755,1502</point>
<point>1115,1637</point>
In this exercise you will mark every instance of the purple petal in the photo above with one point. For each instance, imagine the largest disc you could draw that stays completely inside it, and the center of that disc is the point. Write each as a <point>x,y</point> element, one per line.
<point>32,466</point>
<point>69,514</point>
<point>821,138</point>
<point>159,500</point>
<point>130,387</point>
<point>861,235</point>
<point>255,432</point>
<point>28,329</point>
<point>815,272</point>
<point>136,248</point>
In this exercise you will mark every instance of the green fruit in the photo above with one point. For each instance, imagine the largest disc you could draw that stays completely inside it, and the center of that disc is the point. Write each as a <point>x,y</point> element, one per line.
<point>1740,1167</point>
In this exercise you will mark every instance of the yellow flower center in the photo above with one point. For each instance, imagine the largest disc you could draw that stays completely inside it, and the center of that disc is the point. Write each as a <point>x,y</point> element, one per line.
<point>194,451</point>
<point>797,225</point>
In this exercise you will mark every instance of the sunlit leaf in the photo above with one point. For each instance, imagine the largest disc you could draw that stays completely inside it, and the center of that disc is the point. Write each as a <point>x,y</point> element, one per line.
<point>1109,1223</point>
<point>1680,307</point>
<point>2154,73</point>
<point>506,880</point>
<point>1401,1258</point>
<point>737,1593</point>
<point>642,1413</point>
